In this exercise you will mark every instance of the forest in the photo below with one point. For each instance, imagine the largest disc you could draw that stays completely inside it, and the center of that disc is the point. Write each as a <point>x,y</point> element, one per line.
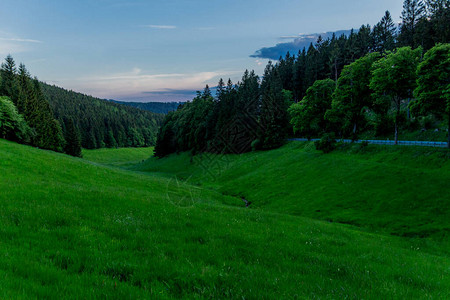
<point>378,79</point>
<point>103,123</point>
<point>156,107</point>
<point>50,117</point>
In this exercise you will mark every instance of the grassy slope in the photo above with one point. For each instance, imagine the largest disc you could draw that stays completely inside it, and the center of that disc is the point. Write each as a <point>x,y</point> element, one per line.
<point>399,190</point>
<point>122,157</point>
<point>72,228</point>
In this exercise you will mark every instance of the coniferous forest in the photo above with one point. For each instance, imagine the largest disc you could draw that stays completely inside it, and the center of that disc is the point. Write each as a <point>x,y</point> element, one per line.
<point>53,118</point>
<point>156,107</point>
<point>376,80</point>
<point>103,123</point>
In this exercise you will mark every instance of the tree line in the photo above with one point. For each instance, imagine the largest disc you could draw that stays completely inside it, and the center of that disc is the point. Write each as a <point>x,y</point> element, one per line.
<point>39,127</point>
<point>103,123</point>
<point>328,87</point>
<point>156,107</point>
<point>380,90</point>
<point>53,118</point>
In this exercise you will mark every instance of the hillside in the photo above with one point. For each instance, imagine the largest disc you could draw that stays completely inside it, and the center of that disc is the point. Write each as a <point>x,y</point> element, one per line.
<point>102,123</point>
<point>156,107</point>
<point>399,190</point>
<point>74,228</point>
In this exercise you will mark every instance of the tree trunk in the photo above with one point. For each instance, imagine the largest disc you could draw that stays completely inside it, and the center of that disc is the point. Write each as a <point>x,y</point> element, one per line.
<point>408,113</point>
<point>396,133</point>
<point>448,133</point>
<point>397,117</point>
<point>354,132</point>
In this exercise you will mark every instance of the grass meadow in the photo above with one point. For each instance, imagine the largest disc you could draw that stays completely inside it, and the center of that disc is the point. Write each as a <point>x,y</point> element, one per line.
<point>358,223</point>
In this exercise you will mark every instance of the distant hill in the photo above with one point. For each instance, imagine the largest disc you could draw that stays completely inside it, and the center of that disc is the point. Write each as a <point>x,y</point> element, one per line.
<point>298,43</point>
<point>156,107</point>
<point>103,123</point>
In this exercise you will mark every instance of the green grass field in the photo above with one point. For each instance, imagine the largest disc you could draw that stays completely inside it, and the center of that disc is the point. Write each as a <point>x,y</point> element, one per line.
<point>112,226</point>
<point>122,157</point>
<point>395,190</point>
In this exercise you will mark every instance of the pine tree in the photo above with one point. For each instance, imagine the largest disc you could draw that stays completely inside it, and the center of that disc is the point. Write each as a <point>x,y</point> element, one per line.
<point>439,15</point>
<point>8,83</point>
<point>384,34</point>
<point>48,130</point>
<point>413,12</point>
<point>73,139</point>
<point>299,80</point>
<point>274,119</point>
<point>311,68</point>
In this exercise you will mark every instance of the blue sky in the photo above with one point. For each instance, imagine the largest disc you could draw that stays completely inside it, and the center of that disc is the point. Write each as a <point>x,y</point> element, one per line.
<point>162,50</point>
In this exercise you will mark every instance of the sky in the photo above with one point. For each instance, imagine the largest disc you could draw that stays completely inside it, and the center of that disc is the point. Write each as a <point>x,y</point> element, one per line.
<point>146,50</point>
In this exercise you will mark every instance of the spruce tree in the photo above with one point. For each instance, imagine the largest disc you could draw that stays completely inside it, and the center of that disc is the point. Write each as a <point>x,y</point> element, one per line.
<point>384,34</point>
<point>73,139</point>
<point>413,11</point>
<point>274,119</point>
<point>8,83</point>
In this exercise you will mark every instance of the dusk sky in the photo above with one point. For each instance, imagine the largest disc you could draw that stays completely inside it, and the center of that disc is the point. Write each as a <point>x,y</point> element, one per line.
<point>163,50</point>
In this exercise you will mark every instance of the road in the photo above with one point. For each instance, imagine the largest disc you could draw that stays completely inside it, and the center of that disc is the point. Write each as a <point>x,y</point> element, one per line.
<point>387,142</point>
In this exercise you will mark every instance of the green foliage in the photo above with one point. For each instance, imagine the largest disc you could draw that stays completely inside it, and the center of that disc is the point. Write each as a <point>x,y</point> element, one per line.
<point>433,84</point>
<point>12,125</point>
<point>73,139</point>
<point>31,103</point>
<point>384,34</point>
<point>156,107</point>
<point>394,80</point>
<point>273,119</point>
<point>72,227</point>
<point>413,12</point>
<point>327,143</point>
<point>103,123</point>
<point>225,124</point>
<point>307,116</point>
<point>352,97</point>
<point>8,83</point>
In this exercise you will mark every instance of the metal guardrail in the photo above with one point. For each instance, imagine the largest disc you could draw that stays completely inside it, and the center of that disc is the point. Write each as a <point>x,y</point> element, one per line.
<point>385,142</point>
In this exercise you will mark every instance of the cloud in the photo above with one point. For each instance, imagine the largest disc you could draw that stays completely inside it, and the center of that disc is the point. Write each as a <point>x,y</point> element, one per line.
<point>299,42</point>
<point>21,40</point>
<point>161,26</point>
<point>11,45</point>
<point>136,84</point>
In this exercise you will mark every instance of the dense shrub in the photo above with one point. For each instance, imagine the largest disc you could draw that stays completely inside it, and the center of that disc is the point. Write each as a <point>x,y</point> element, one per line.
<point>12,125</point>
<point>327,143</point>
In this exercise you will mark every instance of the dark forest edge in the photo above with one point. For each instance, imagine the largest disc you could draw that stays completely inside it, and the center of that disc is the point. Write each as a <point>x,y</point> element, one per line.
<point>50,117</point>
<point>372,82</point>
<point>156,107</point>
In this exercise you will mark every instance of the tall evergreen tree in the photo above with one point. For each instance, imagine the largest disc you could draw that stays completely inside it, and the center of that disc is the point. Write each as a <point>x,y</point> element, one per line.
<point>73,139</point>
<point>48,130</point>
<point>384,34</point>
<point>439,15</point>
<point>299,76</point>
<point>274,117</point>
<point>413,12</point>
<point>8,83</point>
